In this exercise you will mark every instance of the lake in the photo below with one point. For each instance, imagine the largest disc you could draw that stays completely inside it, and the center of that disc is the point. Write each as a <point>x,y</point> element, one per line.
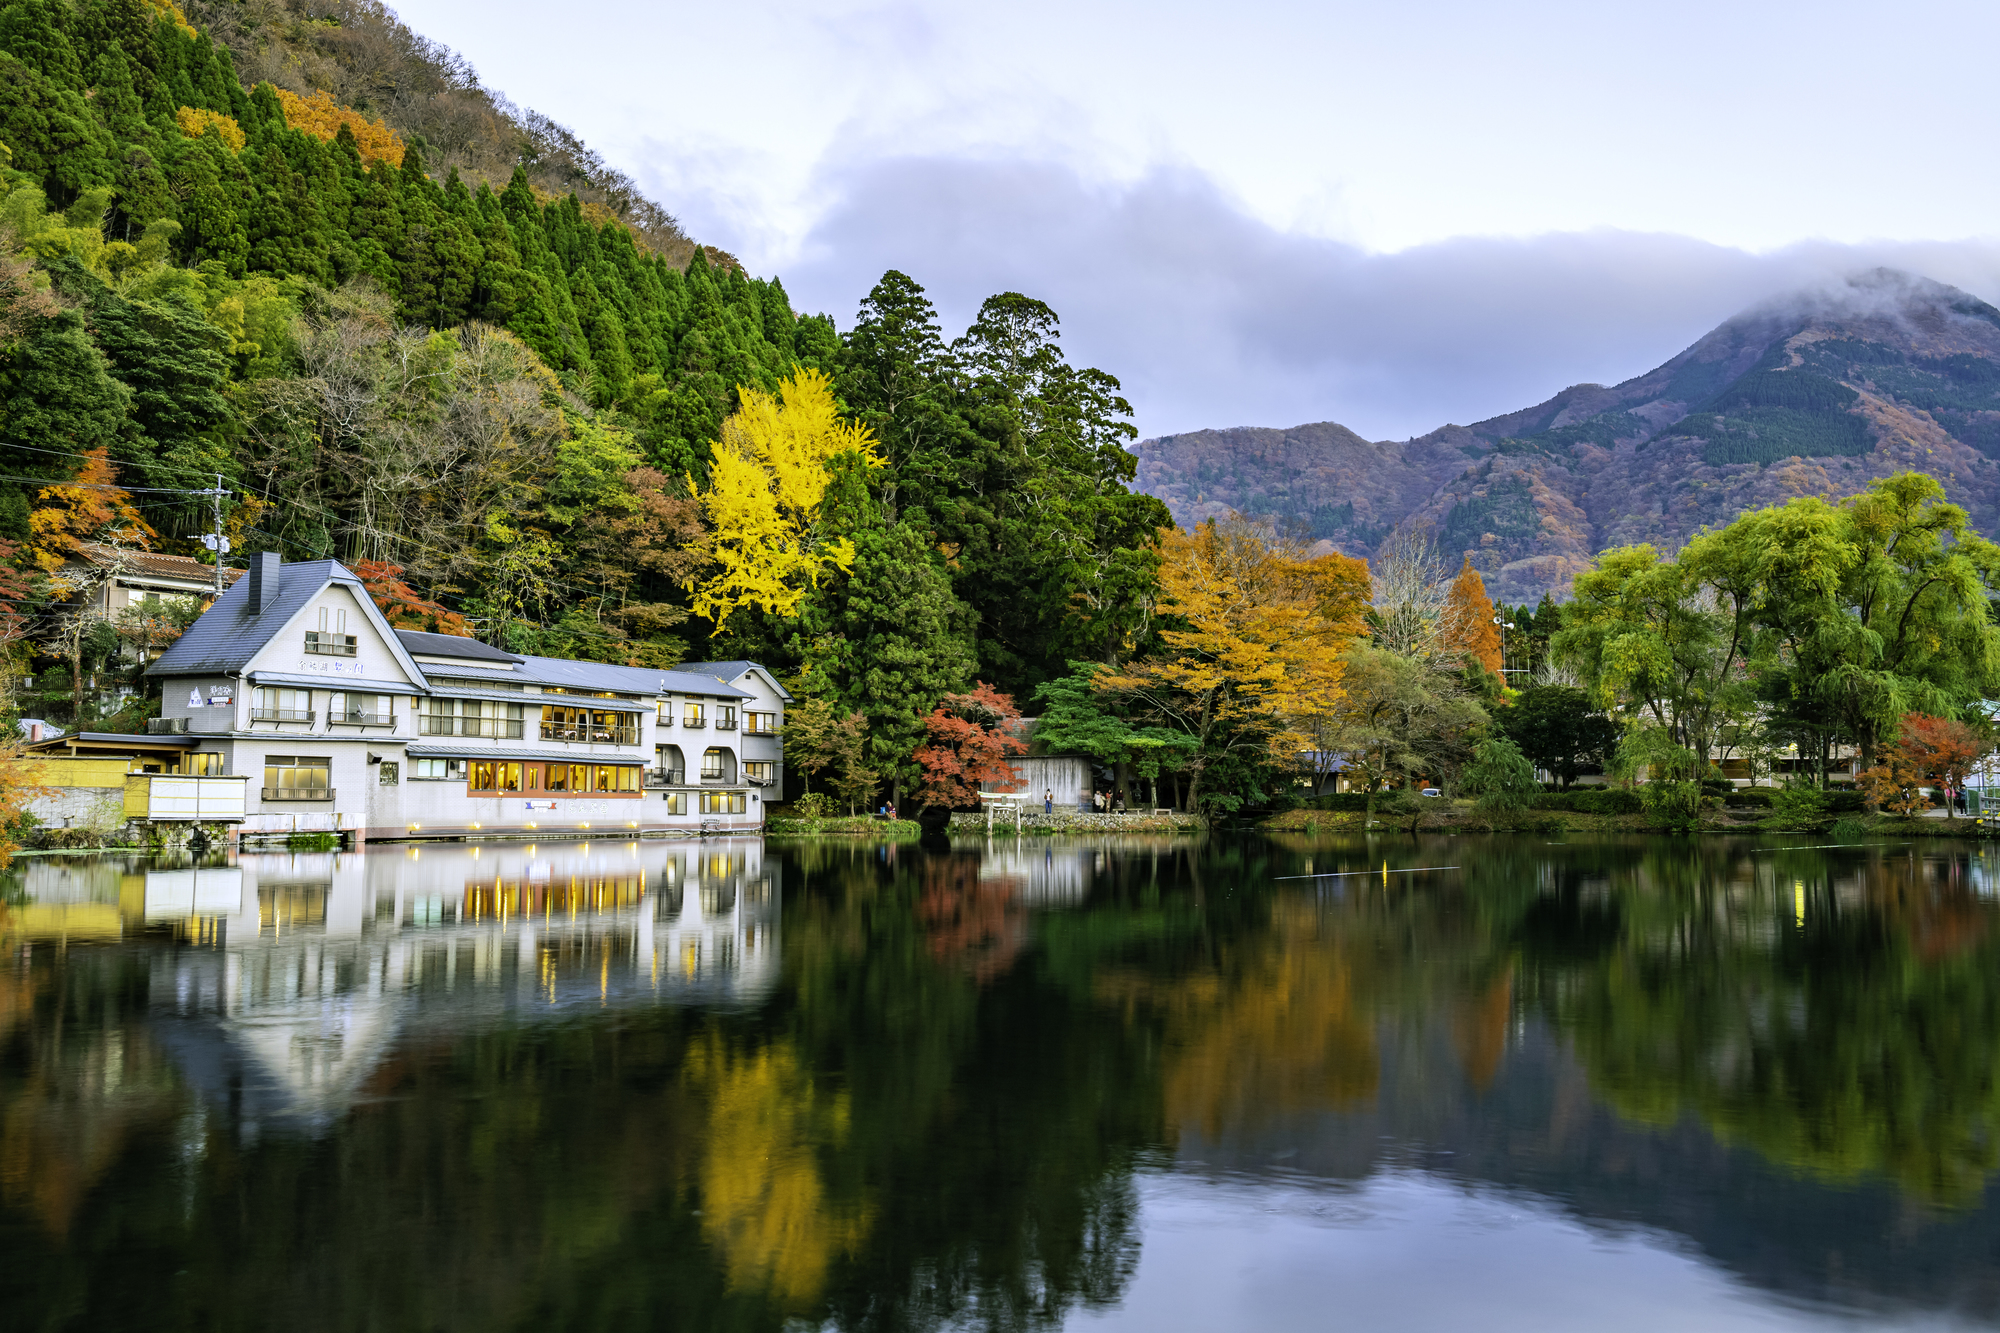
<point>1249,1082</point>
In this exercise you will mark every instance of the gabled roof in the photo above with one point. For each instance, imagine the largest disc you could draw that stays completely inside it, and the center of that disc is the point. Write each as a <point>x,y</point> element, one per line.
<point>421,644</point>
<point>230,633</point>
<point>151,564</point>
<point>733,670</point>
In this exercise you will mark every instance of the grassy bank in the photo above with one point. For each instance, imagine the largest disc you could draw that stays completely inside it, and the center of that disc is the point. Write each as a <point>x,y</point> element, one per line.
<point>1460,817</point>
<point>859,826</point>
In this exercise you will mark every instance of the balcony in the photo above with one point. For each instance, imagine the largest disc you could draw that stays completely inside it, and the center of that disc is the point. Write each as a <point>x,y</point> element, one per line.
<point>757,782</point>
<point>752,728</point>
<point>725,724</point>
<point>580,734</point>
<point>666,777</point>
<point>281,715</point>
<point>298,793</point>
<point>492,728</point>
<point>363,719</point>
<point>693,722</point>
<point>330,645</point>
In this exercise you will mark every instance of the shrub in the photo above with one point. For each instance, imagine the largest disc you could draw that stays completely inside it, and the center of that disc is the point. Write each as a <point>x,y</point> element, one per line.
<point>1797,808</point>
<point>1592,801</point>
<point>1753,798</point>
<point>1848,830</point>
<point>1349,802</point>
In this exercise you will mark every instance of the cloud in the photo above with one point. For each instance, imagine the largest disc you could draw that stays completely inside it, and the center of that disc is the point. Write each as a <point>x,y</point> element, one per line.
<point>1213,318</point>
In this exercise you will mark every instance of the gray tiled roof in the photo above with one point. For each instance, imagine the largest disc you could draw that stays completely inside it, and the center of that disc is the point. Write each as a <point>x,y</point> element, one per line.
<point>731,670</point>
<point>417,642</point>
<point>230,633</point>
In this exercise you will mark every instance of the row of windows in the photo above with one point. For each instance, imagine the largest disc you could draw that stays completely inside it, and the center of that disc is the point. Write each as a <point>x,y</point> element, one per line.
<point>501,775</point>
<point>490,718</point>
<point>712,802</point>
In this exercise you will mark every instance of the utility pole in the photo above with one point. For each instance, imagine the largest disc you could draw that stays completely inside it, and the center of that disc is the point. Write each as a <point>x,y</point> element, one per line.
<point>217,542</point>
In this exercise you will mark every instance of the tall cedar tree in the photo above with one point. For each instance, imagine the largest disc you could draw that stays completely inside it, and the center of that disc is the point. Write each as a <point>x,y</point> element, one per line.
<point>1468,615</point>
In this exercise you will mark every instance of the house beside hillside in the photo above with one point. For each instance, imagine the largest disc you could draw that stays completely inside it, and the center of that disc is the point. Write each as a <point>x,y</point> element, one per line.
<point>294,682</point>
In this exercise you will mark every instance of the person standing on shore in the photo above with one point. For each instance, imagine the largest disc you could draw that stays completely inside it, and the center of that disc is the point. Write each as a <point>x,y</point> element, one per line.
<point>1049,801</point>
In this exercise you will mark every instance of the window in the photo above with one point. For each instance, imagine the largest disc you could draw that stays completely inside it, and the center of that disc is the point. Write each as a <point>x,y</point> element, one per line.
<point>298,779</point>
<point>668,765</point>
<point>663,713</point>
<point>592,779</point>
<point>389,772</point>
<point>711,765</point>
<point>495,775</point>
<point>722,803</point>
<point>438,768</point>
<point>758,773</point>
<point>271,704</point>
<point>725,717</point>
<point>361,709</point>
<point>331,638</point>
<point>761,724</point>
<point>472,717</point>
<point>691,716</point>
<point>589,725</point>
<point>201,765</point>
<point>677,802</point>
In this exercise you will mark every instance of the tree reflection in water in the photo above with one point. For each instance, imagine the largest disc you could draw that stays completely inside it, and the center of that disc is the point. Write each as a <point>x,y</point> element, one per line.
<point>934,1110</point>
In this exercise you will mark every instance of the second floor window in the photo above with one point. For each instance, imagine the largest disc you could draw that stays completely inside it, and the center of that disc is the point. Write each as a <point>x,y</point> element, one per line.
<point>472,717</point>
<point>756,772</point>
<point>270,703</point>
<point>761,724</point>
<point>360,708</point>
<point>691,716</point>
<point>596,726</point>
<point>725,717</point>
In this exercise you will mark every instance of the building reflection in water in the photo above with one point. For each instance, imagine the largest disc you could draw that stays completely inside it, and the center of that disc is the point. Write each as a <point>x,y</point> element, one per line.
<point>315,964</point>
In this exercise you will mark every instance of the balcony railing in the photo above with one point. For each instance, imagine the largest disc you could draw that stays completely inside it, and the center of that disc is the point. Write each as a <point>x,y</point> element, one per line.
<point>666,777</point>
<point>587,735</point>
<point>493,728</point>
<point>330,645</point>
<point>725,724</point>
<point>707,776</point>
<point>693,722</point>
<point>281,715</point>
<point>298,793</point>
<point>753,728</point>
<point>757,782</point>
<point>364,719</point>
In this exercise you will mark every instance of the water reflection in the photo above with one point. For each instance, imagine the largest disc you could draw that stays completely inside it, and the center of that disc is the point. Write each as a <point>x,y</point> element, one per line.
<point>1018,1084</point>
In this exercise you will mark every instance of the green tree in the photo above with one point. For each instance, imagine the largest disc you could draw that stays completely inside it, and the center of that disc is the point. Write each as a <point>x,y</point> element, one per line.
<point>1556,727</point>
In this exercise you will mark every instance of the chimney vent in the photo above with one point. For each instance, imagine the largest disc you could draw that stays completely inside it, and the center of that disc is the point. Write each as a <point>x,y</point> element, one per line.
<point>264,581</point>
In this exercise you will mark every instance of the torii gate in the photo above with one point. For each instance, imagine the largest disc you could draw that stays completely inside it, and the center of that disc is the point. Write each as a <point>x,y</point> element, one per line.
<point>993,799</point>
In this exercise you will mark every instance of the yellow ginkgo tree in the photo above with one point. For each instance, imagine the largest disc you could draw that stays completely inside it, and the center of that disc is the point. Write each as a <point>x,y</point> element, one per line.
<point>767,482</point>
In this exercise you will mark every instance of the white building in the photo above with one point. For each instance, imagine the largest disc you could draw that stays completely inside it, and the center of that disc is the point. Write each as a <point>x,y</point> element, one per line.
<point>294,679</point>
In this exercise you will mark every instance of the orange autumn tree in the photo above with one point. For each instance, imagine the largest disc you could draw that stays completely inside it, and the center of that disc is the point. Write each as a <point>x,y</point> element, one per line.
<point>90,507</point>
<point>403,606</point>
<point>1469,630</point>
<point>321,116</point>
<point>971,739</point>
<point>1255,625</point>
<point>1940,748</point>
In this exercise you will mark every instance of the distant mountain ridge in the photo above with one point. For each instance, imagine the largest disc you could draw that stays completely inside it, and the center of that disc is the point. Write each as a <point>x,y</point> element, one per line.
<point>1812,395</point>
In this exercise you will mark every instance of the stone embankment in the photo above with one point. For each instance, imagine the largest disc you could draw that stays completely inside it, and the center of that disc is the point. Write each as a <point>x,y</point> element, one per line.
<point>1079,821</point>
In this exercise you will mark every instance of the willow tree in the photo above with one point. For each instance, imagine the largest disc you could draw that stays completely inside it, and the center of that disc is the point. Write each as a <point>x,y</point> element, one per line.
<point>767,481</point>
<point>1265,622</point>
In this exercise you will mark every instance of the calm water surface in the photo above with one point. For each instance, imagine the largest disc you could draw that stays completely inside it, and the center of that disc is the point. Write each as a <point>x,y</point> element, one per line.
<point>1035,1084</point>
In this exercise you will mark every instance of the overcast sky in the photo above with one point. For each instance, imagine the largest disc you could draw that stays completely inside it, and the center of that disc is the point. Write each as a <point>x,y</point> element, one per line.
<point>1387,215</point>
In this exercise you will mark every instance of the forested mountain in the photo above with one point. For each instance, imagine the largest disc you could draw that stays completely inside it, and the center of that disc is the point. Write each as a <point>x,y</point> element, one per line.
<point>417,329</point>
<point>1814,395</point>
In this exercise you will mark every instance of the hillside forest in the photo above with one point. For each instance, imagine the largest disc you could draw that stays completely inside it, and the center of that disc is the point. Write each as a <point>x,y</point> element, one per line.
<point>309,263</point>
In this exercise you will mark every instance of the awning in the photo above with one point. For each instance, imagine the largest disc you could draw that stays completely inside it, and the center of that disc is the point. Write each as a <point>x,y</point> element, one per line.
<point>351,684</point>
<point>429,750</point>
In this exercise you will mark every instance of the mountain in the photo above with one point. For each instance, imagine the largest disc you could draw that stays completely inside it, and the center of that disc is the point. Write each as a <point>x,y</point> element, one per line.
<point>1815,394</point>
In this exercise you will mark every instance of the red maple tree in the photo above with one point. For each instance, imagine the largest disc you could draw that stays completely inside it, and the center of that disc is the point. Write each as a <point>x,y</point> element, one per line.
<point>403,606</point>
<point>971,739</point>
